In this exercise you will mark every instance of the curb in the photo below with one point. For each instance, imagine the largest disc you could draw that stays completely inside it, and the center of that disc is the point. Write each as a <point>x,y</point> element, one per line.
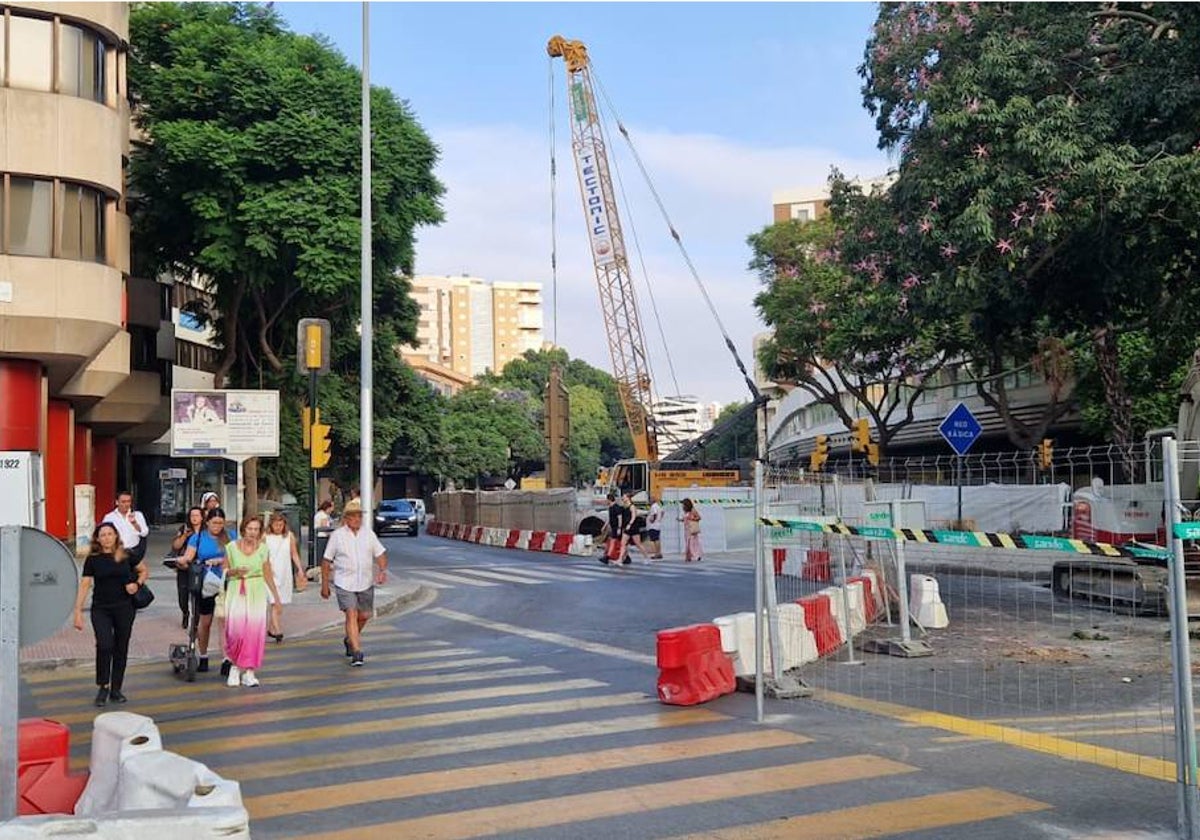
<point>409,593</point>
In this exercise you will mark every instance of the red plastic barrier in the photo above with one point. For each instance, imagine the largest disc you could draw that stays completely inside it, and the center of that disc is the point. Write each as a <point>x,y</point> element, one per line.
<point>869,605</point>
<point>778,555</point>
<point>816,566</point>
<point>562,543</point>
<point>692,667</point>
<point>536,539</point>
<point>44,785</point>
<point>818,617</point>
<point>478,534</point>
<point>513,536</point>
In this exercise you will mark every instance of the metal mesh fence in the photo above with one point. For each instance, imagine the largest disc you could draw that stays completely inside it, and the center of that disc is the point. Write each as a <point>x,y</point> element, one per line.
<point>1063,652</point>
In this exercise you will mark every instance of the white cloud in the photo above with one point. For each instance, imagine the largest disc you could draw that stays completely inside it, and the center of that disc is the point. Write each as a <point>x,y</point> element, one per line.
<point>717,191</point>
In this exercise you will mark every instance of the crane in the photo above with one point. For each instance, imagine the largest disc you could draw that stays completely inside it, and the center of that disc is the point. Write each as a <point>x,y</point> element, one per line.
<point>639,476</point>
<point>622,326</point>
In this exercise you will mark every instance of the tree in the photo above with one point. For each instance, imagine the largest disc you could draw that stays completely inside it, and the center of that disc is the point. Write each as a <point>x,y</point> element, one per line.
<point>490,432</point>
<point>246,175</point>
<point>590,424</point>
<point>1049,177</point>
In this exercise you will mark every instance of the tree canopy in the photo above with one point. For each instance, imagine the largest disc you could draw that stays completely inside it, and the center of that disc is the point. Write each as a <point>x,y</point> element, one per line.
<point>246,176</point>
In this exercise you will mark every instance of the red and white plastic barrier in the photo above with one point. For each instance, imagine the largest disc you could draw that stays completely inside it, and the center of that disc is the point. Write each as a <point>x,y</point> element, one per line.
<point>547,541</point>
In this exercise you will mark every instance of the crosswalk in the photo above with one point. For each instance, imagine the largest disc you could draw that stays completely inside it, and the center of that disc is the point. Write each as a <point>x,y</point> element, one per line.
<point>438,740</point>
<point>529,574</point>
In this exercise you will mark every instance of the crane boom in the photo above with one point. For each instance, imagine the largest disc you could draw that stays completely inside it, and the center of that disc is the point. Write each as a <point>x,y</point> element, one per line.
<point>622,325</point>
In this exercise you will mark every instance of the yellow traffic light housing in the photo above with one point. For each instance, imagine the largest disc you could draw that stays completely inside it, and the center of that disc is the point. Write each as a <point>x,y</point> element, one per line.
<point>873,454</point>
<point>860,435</point>
<point>1046,453</point>
<point>306,423</point>
<point>820,454</point>
<point>320,444</point>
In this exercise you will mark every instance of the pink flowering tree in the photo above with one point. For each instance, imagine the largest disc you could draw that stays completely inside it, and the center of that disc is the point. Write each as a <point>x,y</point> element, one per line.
<point>1048,184</point>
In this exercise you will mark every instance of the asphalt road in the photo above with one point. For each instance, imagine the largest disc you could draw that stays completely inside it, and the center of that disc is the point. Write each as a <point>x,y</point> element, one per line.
<point>519,702</point>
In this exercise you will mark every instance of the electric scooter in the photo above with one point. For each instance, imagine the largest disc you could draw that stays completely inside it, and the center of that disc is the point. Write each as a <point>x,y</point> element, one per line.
<point>185,658</point>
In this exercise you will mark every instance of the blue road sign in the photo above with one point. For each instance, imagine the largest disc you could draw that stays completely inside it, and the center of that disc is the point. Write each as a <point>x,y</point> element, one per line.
<point>960,429</point>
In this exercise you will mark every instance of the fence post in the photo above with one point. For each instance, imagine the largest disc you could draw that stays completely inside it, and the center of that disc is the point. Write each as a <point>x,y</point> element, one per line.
<point>902,577</point>
<point>1181,661</point>
<point>837,490</point>
<point>759,586</point>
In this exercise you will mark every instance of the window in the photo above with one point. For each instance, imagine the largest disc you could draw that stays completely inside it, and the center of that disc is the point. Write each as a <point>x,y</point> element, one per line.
<point>188,354</point>
<point>31,53</point>
<point>31,222</point>
<point>80,63</point>
<point>82,211</point>
<point>801,214</point>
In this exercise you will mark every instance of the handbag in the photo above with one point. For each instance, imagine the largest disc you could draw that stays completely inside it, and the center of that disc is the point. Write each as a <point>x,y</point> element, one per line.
<point>692,526</point>
<point>143,597</point>
<point>212,584</point>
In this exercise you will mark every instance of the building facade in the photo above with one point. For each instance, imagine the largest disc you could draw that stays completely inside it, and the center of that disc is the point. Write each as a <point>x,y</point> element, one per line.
<point>468,326</point>
<point>80,376</point>
<point>681,418</point>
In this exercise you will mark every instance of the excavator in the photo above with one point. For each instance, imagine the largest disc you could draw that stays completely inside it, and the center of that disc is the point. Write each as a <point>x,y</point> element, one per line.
<point>647,473</point>
<point>1138,583</point>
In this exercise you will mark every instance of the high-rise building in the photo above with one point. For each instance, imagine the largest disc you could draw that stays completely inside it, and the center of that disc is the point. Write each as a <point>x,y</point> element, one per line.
<point>468,325</point>
<point>678,419</point>
<point>80,376</point>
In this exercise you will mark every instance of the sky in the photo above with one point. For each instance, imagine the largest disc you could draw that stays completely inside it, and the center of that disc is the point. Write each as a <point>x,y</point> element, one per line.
<point>725,103</point>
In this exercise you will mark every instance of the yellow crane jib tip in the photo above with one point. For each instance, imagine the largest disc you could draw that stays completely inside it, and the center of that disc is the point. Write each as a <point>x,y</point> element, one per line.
<point>574,53</point>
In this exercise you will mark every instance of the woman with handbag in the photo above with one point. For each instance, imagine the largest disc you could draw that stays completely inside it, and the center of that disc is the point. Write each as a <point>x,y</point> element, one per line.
<point>116,580</point>
<point>251,579</point>
<point>285,563</point>
<point>190,527</point>
<point>207,547</point>
<point>692,549</point>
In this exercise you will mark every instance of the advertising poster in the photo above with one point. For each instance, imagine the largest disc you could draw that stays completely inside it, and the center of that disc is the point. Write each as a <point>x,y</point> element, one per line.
<point>225,424</point>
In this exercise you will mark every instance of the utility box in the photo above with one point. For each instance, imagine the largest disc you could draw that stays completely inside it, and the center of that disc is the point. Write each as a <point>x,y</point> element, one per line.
<point>22,490</point>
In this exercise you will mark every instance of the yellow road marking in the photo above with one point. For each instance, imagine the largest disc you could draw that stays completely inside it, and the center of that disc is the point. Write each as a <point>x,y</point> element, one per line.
<point>238,701</point>
<point>1166,716</point>
<point>511,772</point>
<point>1140,765</point>
<point>540,636</point>
<point>561,810</point>
<point>253,740</point>
<point>300,765</point>
<point>881,819</point>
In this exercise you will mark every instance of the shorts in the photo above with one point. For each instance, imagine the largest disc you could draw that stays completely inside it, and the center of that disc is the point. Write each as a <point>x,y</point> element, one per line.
<point>206,606</point>
<point>653,534</point>
<point>363,601</point>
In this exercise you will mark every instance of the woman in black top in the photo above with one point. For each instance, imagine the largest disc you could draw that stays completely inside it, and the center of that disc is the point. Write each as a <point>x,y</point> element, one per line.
<point>108,568</point>
<point>191,526</point>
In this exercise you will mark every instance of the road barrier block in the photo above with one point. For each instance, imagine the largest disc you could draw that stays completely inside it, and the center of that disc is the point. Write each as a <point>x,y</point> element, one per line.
<point>581,545</point>
<point>870,605</point>
<point>116,736</point>
<point>548,543</point>
<point>562,543</point>
<point>837,606</point>
<point>44,782</point>
<point>176,824</point>
<point>778,557</point>
<point>523,541</point>
<point>536,539</point>
<point>925,603</point>
<point>816,566</point>
<point>477,534</point>
<point>793,564</point>
<point>163,779</point>
<point>818,617</point>
<point>692,666</point>
<point>510,541</point>
<point>858,606</point>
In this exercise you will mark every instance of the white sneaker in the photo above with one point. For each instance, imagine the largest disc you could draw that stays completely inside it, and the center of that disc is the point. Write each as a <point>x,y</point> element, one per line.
<point>235,677</point>
<point>248,678</point>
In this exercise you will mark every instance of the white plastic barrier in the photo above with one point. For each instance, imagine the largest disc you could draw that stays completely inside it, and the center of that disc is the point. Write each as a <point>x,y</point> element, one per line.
<point>523,540</point>
<point>116,737</point>
<point>176,824</point>
<point>925,603</point>
<point>858,606</point>
<point>795,639</point>
<point>793,561</point>
<point>581,545</point>
<point>727,625</point>
<point>162,779</point>
<point>837,608</point>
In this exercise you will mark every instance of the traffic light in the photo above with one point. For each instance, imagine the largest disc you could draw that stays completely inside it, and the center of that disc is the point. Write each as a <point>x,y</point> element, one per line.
<point>319,440</point>
<point>1046,453</point>
<point>819,455</point>
<point>873,454</point>
<point>860,435</point>
<point>306,423</point>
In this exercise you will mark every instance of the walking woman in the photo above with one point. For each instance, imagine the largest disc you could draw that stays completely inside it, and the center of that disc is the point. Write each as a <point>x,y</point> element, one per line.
<point>190,528</point>
<point>284,555</point>
<point>250,577</point>
<point>107,569</point>
<point>207,547</point>
<point>692,550</point>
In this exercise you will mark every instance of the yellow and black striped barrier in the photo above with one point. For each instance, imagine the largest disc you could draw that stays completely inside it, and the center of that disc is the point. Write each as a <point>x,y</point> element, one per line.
<point>973,539</point>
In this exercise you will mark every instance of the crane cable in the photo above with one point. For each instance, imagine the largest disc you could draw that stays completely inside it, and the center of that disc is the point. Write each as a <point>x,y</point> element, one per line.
<point>637,247</point>
<point>683,250</point>
<point>553,212</point>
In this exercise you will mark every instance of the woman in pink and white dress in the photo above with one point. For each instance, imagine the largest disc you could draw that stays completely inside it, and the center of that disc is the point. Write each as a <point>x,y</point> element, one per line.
<point>284,555</point>
<point>248,578</point>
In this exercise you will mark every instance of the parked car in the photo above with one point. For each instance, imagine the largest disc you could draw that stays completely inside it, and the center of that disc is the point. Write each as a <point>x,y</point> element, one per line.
<point>396,516</point>
<point>419,506</point>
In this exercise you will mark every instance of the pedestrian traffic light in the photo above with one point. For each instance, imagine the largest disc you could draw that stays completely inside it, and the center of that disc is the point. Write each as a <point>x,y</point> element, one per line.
<point>819,455</point>
<point>873,454</point>
<point>1046,453</point>
<point>321,445</point>
<point>860,435</point>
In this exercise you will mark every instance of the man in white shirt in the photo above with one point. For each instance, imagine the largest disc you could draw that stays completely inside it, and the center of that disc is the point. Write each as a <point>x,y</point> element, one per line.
<point>356,561</point>
<point>131,525</point>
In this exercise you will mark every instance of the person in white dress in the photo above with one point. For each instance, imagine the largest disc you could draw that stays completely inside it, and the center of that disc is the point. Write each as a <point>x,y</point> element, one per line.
<point>284,555</point>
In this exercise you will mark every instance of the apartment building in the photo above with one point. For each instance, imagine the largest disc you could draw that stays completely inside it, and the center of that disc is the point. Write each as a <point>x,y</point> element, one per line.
<point>681,418</point>
<point>468,325</point>
<point>79,369</point>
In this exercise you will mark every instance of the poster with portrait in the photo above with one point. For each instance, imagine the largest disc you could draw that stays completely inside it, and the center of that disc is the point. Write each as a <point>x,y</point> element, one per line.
<point>224,424</point>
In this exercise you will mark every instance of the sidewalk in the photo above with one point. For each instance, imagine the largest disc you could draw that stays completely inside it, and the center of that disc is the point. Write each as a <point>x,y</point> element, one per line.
<point>158,625</point>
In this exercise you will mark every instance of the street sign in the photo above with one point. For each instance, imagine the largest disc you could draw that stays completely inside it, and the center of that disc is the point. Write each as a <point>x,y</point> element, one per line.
<point>960,429</point>
<point>233,424</point>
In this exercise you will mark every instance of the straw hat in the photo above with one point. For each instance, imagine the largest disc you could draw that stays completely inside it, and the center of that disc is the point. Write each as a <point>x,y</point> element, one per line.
<point>352,506</point>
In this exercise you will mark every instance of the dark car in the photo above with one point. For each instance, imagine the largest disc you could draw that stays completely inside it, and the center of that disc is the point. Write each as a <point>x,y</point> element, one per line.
<point>396,516</point>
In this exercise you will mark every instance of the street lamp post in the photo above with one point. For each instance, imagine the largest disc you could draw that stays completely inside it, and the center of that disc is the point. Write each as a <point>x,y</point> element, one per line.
<point>366,460</point>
